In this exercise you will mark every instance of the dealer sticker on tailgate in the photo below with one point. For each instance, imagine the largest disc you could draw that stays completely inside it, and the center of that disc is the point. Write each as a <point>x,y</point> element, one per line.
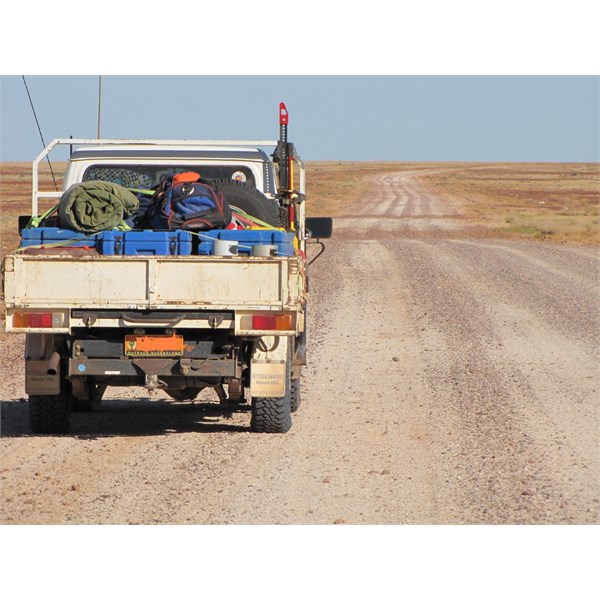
<point>153,345</point>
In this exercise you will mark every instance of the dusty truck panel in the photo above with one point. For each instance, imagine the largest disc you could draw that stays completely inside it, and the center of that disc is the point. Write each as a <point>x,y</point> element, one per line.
<point>40,281</point>
<point>194,316</point>
<point>151,282</point>
<point>218,282</point>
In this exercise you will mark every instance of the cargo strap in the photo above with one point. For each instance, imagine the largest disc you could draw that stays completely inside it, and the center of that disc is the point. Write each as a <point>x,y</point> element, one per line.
<point>35,220</point>
<point>250,220</point>
<point>58,244</point>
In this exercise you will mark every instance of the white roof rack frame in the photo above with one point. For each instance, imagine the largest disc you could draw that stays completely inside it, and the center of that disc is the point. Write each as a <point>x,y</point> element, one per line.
<point>36,193</point>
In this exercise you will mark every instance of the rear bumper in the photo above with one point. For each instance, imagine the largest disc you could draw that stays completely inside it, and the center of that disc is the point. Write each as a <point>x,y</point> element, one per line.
<point>162,367</point>
<point>64,321</point>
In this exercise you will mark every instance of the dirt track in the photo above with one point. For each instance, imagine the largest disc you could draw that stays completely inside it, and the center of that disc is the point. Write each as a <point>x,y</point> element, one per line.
<point>452,379</point>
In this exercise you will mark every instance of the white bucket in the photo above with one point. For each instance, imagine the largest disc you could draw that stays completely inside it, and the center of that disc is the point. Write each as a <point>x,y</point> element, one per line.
<point>264,250</point>
<point>225,248</point>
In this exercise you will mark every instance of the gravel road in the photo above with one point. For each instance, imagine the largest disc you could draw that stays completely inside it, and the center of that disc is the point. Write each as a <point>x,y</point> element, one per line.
<point>453,379</point>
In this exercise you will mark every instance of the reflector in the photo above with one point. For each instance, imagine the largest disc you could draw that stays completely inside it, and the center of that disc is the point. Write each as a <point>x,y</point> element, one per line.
<point>264,322</point>
<point>40,320</point>
<point>20,320</point>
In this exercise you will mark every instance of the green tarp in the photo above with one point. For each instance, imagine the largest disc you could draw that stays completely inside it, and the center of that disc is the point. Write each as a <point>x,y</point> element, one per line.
<point>96,206</point>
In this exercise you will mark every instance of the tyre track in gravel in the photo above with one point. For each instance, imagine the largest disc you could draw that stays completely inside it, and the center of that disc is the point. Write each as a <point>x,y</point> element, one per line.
<point>402,206</point>
<point>524,391</point>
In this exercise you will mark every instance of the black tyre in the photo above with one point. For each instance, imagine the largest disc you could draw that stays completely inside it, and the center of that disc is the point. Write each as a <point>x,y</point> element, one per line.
<point>82,405</point>
<point>247,198</point>
<point>50,414</point>
<point>273,415</point>
<point>296,398</point>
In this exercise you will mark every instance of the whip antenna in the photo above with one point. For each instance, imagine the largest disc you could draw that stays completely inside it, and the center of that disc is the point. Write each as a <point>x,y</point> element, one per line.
<point>99,102</point>
<point>40,130</point>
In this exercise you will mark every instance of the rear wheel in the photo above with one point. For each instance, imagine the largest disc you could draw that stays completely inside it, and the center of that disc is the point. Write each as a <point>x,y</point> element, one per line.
<point>273,415</point>
<point>50,414</point>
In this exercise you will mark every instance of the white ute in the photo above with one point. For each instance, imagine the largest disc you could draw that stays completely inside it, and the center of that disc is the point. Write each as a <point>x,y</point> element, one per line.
<point>210,316</point>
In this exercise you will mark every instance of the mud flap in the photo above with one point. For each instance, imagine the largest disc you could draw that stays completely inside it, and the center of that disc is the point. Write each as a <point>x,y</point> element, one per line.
<point>269,367</point>
<point>42,366</point>
<point>41,379</point>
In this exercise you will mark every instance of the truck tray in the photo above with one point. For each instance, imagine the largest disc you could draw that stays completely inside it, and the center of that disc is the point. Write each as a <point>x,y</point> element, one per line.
<point>150,282</point>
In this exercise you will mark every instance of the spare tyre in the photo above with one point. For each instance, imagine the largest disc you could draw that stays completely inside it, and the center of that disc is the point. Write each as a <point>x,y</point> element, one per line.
<point>247,198</point>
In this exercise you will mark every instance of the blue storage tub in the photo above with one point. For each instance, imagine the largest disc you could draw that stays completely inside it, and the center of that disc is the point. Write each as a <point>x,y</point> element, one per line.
<point>112,241</point>
<point>146,242</point>
<point>247,238</point>
<point>56,237</point>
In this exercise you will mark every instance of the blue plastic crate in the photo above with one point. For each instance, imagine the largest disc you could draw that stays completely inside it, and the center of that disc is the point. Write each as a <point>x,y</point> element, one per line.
<point>247,238</point>
<point>145,243</point>
<point>56,237</point>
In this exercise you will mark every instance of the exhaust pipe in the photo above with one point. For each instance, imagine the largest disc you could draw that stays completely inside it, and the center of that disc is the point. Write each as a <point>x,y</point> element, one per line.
<point>54,364</point>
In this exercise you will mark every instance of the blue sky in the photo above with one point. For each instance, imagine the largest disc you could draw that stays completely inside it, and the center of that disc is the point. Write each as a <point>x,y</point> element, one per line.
<point>438,118</point>
<point>433,80</point>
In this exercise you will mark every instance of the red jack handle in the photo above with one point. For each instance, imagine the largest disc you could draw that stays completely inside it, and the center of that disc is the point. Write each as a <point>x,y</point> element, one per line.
<point>283,114</point>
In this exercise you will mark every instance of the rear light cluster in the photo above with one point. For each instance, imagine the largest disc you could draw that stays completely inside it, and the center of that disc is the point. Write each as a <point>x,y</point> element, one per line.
<point>267,322</point>
<point>38,320</point>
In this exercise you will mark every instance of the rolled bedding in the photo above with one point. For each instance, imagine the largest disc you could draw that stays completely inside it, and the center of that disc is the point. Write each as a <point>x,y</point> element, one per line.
<point>95,206</point>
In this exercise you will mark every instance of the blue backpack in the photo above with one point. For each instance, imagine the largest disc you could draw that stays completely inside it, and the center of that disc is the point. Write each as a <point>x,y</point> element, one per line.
<point>191,205</point>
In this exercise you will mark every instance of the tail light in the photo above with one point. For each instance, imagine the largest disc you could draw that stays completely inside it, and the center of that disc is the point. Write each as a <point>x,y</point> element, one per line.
<point>267,322</point>
<point>272,322</point>
<point>38,320</point>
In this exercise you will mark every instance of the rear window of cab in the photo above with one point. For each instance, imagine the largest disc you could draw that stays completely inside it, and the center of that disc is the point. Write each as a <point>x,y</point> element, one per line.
<point>147,177</point>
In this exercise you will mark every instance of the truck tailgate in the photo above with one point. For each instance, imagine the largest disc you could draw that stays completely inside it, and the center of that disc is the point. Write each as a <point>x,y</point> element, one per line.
<point>145,282</point>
